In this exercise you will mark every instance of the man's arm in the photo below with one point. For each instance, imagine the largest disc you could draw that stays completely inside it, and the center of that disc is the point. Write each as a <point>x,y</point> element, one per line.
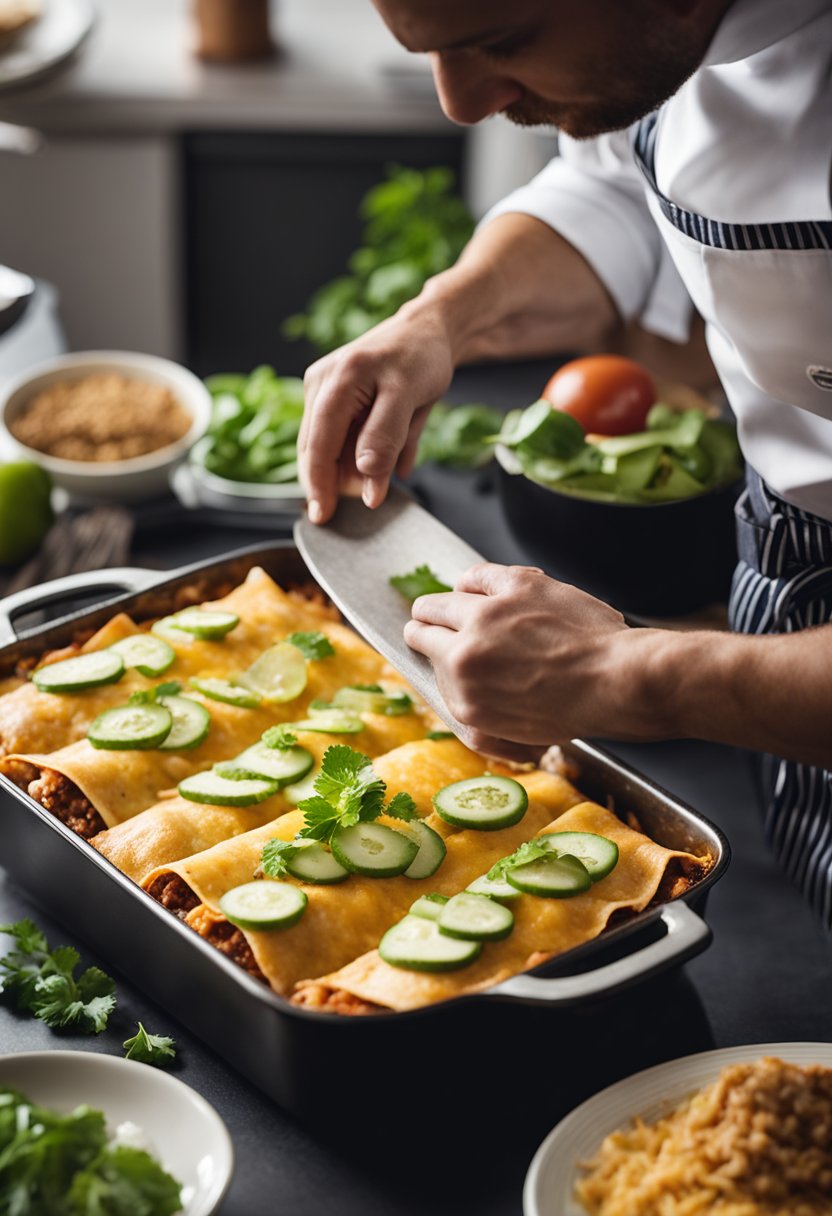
<point>518,290</point>
<point>525,661</point>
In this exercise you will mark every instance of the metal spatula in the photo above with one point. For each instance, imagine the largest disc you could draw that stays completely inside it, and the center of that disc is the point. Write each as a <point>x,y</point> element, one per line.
<point>353,558</point>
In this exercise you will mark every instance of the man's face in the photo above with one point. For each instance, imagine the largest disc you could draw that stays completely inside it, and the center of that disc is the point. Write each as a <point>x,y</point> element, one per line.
<point>585,67</point>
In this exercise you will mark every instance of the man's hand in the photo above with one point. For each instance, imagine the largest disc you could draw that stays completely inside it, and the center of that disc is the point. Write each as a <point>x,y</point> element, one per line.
<point>522,659</point>
<point>366,405</point>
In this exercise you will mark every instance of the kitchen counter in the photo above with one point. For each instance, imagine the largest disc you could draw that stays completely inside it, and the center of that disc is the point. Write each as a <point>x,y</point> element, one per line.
<point>765,978</point>
<point>337,69</point>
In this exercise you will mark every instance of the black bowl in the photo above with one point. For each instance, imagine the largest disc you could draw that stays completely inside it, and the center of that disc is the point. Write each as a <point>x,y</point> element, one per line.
<point>652,559</point>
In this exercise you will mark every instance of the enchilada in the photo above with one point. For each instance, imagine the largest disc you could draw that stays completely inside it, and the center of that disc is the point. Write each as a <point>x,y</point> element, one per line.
<point>542,929</point>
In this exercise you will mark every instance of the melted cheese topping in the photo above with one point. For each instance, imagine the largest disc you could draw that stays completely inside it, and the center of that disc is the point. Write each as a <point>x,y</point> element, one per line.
<point>542,927</point>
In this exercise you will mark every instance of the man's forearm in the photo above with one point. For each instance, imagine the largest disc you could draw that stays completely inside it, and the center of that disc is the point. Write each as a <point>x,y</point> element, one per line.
<point>519,290</point>
<point>770,694</point>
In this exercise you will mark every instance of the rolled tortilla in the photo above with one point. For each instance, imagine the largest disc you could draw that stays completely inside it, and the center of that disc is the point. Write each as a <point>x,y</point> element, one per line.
<point>34,721</point>
<point>542,928</point>
<point>114,786</point>
<point>345,920</point>
<point>175,828</point>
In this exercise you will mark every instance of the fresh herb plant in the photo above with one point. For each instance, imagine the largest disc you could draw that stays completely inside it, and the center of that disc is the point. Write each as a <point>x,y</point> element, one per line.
<point>415,227</point>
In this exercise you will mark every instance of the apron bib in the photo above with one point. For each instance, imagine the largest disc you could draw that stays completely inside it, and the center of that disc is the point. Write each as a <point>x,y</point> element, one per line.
<point>783,581</point>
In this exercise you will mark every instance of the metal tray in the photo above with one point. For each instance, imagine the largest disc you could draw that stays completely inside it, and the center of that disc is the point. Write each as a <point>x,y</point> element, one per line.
<point>288,1051</point>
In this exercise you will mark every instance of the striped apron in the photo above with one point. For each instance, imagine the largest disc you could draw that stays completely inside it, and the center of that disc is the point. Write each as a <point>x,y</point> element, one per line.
<point>783,581</point>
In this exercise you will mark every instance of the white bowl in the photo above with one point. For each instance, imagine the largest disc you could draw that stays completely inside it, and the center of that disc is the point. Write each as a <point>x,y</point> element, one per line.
<point>550,1182</point>
<point>140,477</point>
<point>208,489</point>
<point>182,1131</point>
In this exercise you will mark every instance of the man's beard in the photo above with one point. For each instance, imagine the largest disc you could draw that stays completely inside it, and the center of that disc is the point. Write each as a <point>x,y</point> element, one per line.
<point>665,70</point>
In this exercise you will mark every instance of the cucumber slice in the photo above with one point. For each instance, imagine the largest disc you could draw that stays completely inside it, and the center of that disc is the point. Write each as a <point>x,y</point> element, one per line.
<point>299,791</point>
<point>150,656</point>
<point>79,673</point>
<point>475,918</point>
<point>259,760</point>
<point>375,700</point>
<point>416,944</point>
<point>264,904</point>
<point>484,803</point>
<point>331,721</point>
<point>373,849</point>
<point>551,877</point>
<point>191,723</point>
<point>218,689</point>
<point>216,790</point>
<point>205,623</point>
<point>597,854</point>
<point>431,849</point>
<point>429,906</point>
<point>129,727</point>
<point>316,864</point>
<point>278,675</point>
<point>494,888</point>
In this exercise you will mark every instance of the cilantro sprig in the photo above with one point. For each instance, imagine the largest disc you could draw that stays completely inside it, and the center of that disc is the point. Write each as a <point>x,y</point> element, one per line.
<point>43,982</point>
<point>347,791</point>
<point>312,645</point>
<point>529,850</point>
<point>56,1163</point>
<point>149,1048</point>
<point>421,581</point>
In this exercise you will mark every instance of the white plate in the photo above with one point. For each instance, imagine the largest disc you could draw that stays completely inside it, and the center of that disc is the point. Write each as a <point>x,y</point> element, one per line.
<point>551,1179</point>
<point>184,1132</point>
<point>42,45</point>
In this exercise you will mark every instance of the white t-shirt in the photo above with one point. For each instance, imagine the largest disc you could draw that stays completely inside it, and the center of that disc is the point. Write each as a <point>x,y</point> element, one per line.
<point>737,218</point>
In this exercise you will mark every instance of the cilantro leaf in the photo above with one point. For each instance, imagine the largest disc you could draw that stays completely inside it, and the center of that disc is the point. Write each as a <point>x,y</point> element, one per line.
<point>313,645</point>
<point>401,806</point>
<point>439,734</point>
<point>279,737</point>
<point>85,1005</point>
<point>149,1048</point>
<point>41,1150</point>
<point>275,854</point>
<point>320,818</point>
<point>123,1181</point>
<point>366,687</point>
<point>421,581</point>
<point>20,969</point>
<point>528,851</point>
<point>43,982</point>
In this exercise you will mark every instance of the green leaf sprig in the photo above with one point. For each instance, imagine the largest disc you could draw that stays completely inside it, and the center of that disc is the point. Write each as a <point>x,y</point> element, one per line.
<point>529,850</point>
<point>312,645</point>
<point>149,696</point>
<point>43,982</point>
<point>421,581</point>
<point>149,1048</point>
<point>348,791</point>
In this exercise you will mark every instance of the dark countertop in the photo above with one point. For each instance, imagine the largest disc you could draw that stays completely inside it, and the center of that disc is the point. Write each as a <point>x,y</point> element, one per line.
<point>765,978</point>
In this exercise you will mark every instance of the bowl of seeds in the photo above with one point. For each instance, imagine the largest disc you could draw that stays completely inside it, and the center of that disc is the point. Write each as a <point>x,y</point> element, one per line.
<point>107,425</point>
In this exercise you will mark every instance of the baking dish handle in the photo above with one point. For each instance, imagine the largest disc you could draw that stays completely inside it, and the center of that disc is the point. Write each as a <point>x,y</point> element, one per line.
<point>118,578</point>
<point>686,935</point>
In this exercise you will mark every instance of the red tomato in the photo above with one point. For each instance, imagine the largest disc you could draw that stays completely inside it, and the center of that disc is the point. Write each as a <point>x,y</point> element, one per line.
<point>607,394</point>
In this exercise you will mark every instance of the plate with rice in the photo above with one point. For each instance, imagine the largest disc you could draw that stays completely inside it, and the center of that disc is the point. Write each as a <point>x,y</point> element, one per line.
<point>743,1131</point>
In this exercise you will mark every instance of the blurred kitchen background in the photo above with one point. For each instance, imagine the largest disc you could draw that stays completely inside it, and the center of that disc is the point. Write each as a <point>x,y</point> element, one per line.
<point>185,206</point>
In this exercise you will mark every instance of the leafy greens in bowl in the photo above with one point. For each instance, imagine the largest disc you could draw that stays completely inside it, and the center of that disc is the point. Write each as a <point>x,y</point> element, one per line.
<point>679,454</point>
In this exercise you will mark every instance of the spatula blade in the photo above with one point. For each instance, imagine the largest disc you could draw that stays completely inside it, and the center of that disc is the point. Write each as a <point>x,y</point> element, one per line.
<point>353,558</point>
